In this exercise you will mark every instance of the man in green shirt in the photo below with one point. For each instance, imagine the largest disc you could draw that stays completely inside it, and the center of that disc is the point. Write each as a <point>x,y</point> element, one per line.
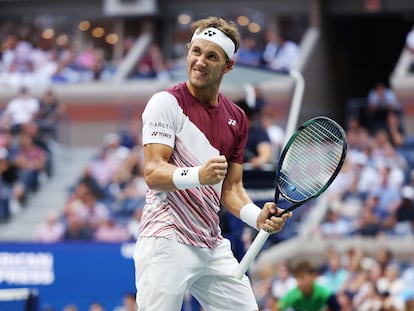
<point>308,295</point>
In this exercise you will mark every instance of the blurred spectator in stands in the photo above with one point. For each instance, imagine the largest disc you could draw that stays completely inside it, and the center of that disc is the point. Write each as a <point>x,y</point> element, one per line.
<point>8,177</point>
<point>395,129</point>
<point>357,273</point>
<point>50,112</point>
<point>86,58</point>
<point>43,58</point>
<point>70,307</point>
<point>368,298</point>
<point>126,192</point>
<point>271,46</point>
<point>30,160</point>
<point>22,62</point>
<point>286,54</point>
<point>128,303</point>
<point>258,149</point>
<point>407,274</point>
<point>51,230</point>
<point>308,294</point>
<point>111,231</point>
<point>8,48</point>
<point>276,134</point>
<point>248,52</point>
<point>131,136</point>
<point>387,196</point>
<point>75,229</point>
<point>391,285</point>
<point>335,274</point>
<point>134,223</point>
<point>402,219</point>
<point>283,281</point>
<point>152,65</point>
<point>369,223</point>
<point>381,100</point>
<point>96,306</point>
<point>357,135</point>
<point>384,257</point>
<point>19,110</point>
<point>87,206</point>
<point>111,156</point>
<point>334,226</point>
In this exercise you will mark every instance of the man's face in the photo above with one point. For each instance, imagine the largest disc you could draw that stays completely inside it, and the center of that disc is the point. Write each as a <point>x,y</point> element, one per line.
<point>206,63</point>
<point>305,282</point>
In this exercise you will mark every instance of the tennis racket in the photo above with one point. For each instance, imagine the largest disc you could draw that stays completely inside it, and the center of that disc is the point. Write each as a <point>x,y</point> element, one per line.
<point>308,164</point>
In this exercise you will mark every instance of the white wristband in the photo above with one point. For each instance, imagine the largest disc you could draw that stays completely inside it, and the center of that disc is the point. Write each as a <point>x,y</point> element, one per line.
<point>249,214</point>
<point>186,177</point>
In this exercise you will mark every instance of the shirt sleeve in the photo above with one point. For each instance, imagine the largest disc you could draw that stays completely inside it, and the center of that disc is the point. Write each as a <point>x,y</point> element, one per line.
<point>159,119</point>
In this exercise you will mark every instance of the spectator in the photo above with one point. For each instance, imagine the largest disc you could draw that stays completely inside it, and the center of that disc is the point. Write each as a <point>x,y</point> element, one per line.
<point>76,229</point>
<point>286,53</point>
<point>248,53</point>
<point>335,275</point>
<point>49,114</point>
<point>381,100</point>
<point>19,110</point>
<point>369,299</point>
<point>134,223</point>
<point>152,65</point>
<point>402,219</point>
<point>391,286</point>
<point>283,280</point>
<point>335,225</point>
<point>51,230</point>
<point>128,303</point>
<point>258,149</point>
<point>30,161</point>
<point>308,294</point>
<point>110,231</point>
<point>8,176</point>
<point>96,306</point>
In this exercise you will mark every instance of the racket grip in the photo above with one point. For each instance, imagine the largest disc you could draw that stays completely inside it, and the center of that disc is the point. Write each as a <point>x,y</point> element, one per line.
<point>251,254</point>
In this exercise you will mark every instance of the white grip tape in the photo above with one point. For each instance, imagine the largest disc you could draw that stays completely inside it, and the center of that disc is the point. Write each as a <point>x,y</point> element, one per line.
<point>249,214</point>
<point>186,177</point>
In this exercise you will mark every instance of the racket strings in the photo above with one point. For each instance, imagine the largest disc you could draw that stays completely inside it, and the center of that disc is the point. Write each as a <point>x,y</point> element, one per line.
<point>311,160</point>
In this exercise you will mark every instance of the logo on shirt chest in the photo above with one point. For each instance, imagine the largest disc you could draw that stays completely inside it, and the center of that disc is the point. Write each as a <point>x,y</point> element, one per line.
<point>231,122</point>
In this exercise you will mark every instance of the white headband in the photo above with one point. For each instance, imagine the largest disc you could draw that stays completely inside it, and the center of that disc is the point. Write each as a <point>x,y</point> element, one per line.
<point>218,37</point>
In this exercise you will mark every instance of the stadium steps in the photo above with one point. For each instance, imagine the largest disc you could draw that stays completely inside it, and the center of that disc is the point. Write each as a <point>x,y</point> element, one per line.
<point>68,165</point>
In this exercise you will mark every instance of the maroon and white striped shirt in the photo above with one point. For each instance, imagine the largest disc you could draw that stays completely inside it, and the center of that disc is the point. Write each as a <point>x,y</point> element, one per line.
<point>196,132</point>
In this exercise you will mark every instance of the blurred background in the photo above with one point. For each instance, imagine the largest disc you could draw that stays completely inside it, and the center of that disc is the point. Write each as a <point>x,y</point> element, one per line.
<point>75,77</point>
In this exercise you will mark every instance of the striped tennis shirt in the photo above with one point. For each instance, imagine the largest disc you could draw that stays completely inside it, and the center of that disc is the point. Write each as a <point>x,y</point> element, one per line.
<point>196,132</point>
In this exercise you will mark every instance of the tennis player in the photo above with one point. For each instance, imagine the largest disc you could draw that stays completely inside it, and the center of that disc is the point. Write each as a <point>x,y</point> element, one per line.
<point>193,139</point>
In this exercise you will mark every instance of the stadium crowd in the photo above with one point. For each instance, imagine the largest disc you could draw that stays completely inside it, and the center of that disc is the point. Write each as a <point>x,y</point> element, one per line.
<point>372,196</point>
<point>28,58</point>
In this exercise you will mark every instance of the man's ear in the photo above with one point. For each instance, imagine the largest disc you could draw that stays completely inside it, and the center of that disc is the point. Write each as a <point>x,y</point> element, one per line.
<point>229,66</point>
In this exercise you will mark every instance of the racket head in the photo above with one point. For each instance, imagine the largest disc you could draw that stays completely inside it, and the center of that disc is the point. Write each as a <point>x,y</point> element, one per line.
<point>310,160</point>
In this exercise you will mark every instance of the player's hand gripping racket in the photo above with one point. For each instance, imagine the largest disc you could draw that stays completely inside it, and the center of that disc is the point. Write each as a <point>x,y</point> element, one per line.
<point>308,164</point>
